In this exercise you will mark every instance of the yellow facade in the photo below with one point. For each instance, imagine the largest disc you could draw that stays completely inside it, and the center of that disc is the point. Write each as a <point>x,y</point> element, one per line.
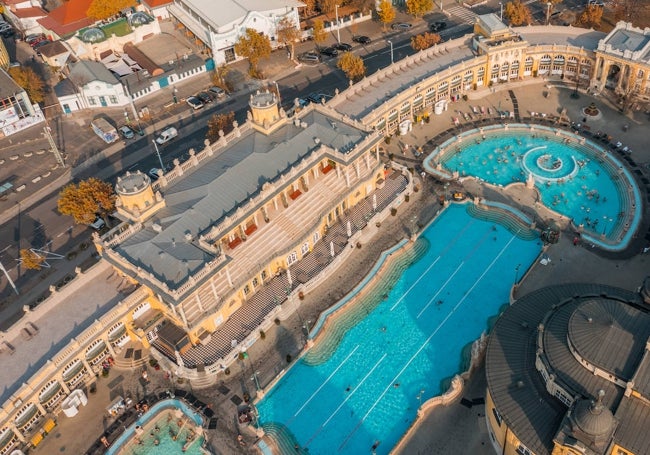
<point>4,56</point>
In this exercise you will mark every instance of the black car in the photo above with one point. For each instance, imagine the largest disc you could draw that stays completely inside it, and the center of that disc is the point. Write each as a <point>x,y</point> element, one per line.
<point>343,47</point>
<point>361,39</point>
<point>204,97</point>
<point>329,51</point>
<point>437,26</point>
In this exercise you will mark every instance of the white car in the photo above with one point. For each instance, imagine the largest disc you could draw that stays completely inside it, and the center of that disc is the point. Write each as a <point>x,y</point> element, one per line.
<point>167,135</point>
<point>194,102</point>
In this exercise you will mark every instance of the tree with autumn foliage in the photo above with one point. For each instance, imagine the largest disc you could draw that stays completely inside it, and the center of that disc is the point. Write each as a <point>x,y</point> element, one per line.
<point>103,9</point>
<point>27,79</point>
<point>327,6</point>
<point>83,202</point>
<point>517,13</point>
<point>288,34</point>
<point>31,260</point>
<point>386,13</point>
<point>254,46</point>
<point>590,17</point>
<point>319,35</point>
<point>352,65</point>
<point>424,41</point>
<point>418,8</point>
<point>219,77</point>
<point>219,122</point>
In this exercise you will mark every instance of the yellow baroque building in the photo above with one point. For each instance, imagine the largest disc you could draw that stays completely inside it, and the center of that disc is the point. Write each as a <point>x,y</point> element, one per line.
<point>568,370</point>
<point>278,199</point>
<point>4,56</point>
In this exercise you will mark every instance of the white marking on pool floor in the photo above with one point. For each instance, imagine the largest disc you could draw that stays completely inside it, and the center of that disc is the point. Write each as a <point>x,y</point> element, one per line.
<point>441,288</point>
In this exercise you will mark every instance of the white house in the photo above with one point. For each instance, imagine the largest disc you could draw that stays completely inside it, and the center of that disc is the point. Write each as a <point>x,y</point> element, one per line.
<point>157,8</point>
<point>219,28</point>
<point>89,86</point>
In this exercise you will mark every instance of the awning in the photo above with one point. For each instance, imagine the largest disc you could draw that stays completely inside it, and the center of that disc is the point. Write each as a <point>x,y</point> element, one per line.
<point>49,425</point>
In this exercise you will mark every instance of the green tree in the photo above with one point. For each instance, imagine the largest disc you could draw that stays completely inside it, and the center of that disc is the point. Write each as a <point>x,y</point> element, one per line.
<point>30,81</point>
<point>590,17</point>
<point>288,34</point>
<point>386,13</point>
<point>219,122</point>
<point>517,13</point>
<point>418,8</point>
<point>103,9</point>
<point>31,260</point>
<point>87,199</point>
<point>424,41</point>
<point>254,46</point>
<point>219,77</point>
<point>352,65</point>
<point>318,32</point>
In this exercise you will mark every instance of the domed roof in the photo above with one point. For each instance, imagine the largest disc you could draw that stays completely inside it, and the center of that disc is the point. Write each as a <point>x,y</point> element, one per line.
<point>593,417</point>
<point>139,18</point>
<point>132,183</point>
<point>93,35</point>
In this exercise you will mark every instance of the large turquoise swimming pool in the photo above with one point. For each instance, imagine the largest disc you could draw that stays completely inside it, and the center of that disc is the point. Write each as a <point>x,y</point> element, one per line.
<point>358,389</point>
<point>574,177</point>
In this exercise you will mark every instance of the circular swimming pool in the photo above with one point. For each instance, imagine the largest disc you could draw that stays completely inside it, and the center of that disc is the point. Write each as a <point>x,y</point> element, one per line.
<point>574,177</point>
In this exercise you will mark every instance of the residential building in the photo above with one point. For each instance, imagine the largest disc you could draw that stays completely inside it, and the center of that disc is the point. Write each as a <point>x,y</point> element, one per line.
<point>16,110</point>
<point>157,8</point>
<point>90,86</point>
<point>568,373</point>
<point>25,19</point>
<point>55,54</point>
<point>4,56</point>
<point>67,19</point>
<point>218,29</point>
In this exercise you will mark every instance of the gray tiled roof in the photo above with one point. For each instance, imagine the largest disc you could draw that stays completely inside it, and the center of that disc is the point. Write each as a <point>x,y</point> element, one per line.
<point>230,11</point>
<point>633,434</point>
<point>64,88</point>
<point>517,387</point>
<point>85,71</point>
<point>627,40</point>
<point>207,193</point>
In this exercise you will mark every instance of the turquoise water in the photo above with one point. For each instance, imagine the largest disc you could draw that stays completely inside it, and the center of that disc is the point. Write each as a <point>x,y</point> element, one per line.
<point>366,393</point>
<point>168,429</point>
<point>570,180</point>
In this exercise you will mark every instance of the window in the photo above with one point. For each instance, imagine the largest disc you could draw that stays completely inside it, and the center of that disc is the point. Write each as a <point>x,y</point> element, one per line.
<point>255,282</point>
<point>305,248</point>
<point>92,101</point>
<point>291,258</point>
<point>523,450</point>
<point>497,416</point>
<point>316,237</point>
<point>247,290</point>
<point>263,275</point>
<point>112,99</point>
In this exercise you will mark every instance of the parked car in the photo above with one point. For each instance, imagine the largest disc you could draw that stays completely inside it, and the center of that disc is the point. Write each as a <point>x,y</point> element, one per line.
<point>317,97</point>
<point>309,57</point>
<point>167,135</point>
<point>39,40</point>
<point>126,132</point>
<point>194,102</point>
<point>343,47</point>
<point>41,43</point>
<point>401,26</point>
<point>437,26</point>
<point>218,91</point>
<point>205,97</point>
<point>97,224</point>
<point>153,173</point>
<point>329,51</point>
<point>34,37</point>
<point>361,39</point>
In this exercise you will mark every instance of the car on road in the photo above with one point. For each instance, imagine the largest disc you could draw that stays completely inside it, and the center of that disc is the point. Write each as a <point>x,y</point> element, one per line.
<point>437,26</point>
<point>153,173</point>
<point>126,132</point>
<point>205,97</point>
<point>217,91</point>
<point>329,51</point>
<point>194,102</point>
<point>309,57</point>
<point>343,47</point>
<point>317,97</point>
<point>97,224</point>
<point>167,135</point>
<point>361,39</point>
<point>401,26</point>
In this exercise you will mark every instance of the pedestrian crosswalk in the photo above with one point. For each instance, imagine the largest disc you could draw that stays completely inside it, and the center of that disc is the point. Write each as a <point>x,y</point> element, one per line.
<point>467,16</point>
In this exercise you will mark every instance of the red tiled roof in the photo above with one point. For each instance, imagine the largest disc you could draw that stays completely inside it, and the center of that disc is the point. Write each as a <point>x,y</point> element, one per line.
<point>68,18</point>
<point>29,12</point>
<point>12,2</point>
<point>156,3</point>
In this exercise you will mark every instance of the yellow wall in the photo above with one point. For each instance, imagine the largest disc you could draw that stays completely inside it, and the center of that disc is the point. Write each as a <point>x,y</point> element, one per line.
<point>4,56</point>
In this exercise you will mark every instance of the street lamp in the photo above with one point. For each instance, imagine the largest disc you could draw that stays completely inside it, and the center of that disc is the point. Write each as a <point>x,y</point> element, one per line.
<point>277,90</point>
<point>305,327</point>
<point>391,51</point>
<point>548,12</point>
<point>174,94</point>
<point>256,380</point>
<point>338,25</point>
<point>501,11</point>
<point>162,166</point>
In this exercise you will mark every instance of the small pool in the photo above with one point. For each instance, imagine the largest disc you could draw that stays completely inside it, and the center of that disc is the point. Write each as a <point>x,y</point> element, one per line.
<point>574,177</point>
<point>169,427</point>
<point>358,389</point>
